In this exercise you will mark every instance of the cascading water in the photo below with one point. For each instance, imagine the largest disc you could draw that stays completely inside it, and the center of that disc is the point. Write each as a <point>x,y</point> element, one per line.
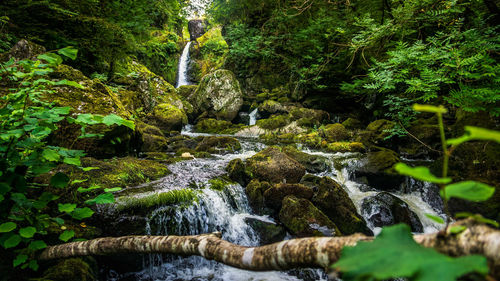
<point>253,117</point>
<point>227,211</point>
<point>183,77</point>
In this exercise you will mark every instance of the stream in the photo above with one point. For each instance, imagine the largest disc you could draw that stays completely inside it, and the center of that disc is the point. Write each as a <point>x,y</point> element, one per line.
<point>228,211</point>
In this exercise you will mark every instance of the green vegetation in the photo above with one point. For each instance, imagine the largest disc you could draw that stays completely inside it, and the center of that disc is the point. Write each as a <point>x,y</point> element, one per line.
<point>172,197</point>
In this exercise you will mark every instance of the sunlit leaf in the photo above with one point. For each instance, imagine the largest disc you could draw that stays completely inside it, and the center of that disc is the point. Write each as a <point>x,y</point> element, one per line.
<point>395,254</point>
<point>476,133</point>
<point>469,190</point>
<point>68,83</point>
<point>66,208</point>
<point>435,218</point>
<point>456,229</point>
<point>69,52</point>
<point>66,235</point>
<point>420,173</point>
<point>7,227</point>
<point>82,213</point>
<point>105,198</point>
<point>429,108</point>
<point>51,58</point>
<point>72,161</point>
<point>51,155</point>
<point>27,232</point>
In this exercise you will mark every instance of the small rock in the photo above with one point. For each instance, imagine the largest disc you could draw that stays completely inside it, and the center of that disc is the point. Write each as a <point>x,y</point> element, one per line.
<point>187,155</point>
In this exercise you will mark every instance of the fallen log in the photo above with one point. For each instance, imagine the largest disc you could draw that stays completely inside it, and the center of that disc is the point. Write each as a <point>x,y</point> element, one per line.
<point>317,252</point>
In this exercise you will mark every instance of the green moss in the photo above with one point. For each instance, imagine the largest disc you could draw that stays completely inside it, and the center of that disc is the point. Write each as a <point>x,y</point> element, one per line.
<point>351,123</point>
<point>215,144</point>
<point>274,122</point>
<point>214,126</point>
<point>168,117</point>
<point>161,199</point>
<point>344,147</point>
<point>71,269</point>
<point>335,132</point>
<point>220,183</point>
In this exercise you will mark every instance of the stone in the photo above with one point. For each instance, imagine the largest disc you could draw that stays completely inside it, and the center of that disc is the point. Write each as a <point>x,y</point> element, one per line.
<point>335,132</point>
<point>220,145</point>
<point>255,192</point>
<point>377,170</point>
<point>302,219</point>
<point>219,95</point>
<point>386,209</point>
<point>267,231</point>
<point>187,155</point>
<point>23,49</point>
<point>312,163</point>
<point>274,195</point>
<point>196,27</point>
<point>274,166</point>
<point>236,171</point>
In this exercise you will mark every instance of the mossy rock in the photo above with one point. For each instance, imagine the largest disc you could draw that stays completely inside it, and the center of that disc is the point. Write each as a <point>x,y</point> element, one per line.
<point>335,132</point>
<point>255,192</point>
<point>219,94</point>
<point>352,124</point>
<point>274,166</point>
<point>312,163</point>
<point>379,130</point>
<point>344,147</point>
<point>219,145</point>
<point>214,126</point>
<point>334,202</point>
<point>71,269</point>
<point>313,117</point>
<point>168,118</point>
<point>268,232</point>
<point>186,90</point>
<point>274,196</point>
<point>270,107</point>
<point>302,219</point>
<point>153,139</point>
<point>236,171</point>
<point>274,122</point>
<point>144,203</point>
<point>378,170</point>
<point>23,49</point>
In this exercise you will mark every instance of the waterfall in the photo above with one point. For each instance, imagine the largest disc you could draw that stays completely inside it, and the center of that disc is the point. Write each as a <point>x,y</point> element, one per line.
<point>183,78</point>
<point>253,117</point>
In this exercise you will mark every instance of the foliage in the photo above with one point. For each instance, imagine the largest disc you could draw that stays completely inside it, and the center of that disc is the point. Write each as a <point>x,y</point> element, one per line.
<point>176,196</point>
<point>27,119</point>
<point>394,253</point>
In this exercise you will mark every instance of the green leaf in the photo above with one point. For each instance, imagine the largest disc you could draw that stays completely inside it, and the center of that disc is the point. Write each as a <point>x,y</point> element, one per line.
<point>50,155</point>
<point>82,213</point>
<point>27,232</point>
<point>86,169</point>
<point>13,241</point>
<point>69,52</point>
<point>69,83</point>
<point>37,245</point>
<point>7,227</point>
<point>477,217</point>
<point>420,173</point>
<point>33,264</point>
<point>113,119</point>
<point>72,161</point>
<point>66,208</point>
<point>456,229</point>
<point>112,189</point>
<point>20,259</point>
<point>51,58</point>
<point>435,218</point>
<point>59,180</point>
<point>469,190</point>
<point>66,235</point>
<point>59,221</point>
<point>105,198</point>
<point>395,254</point>
<point>475,133</point>
<point>92,187</point>
<point>429,108</point>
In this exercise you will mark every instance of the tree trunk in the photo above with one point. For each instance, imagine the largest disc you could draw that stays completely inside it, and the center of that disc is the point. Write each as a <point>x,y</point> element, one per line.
<point>305,252</point>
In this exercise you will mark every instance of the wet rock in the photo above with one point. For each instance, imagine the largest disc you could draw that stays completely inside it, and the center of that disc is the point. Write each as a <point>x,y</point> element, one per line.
<point>197,28</point>
<point>312,163</point>
<point>255,191</point>
<point>214,126</point>
<point>274,166</point>
<point>177,142</point>
<point>23,49</point>
<point>219,145</point>
<point>219,95</point>
<point>270,107</point>
<point>274,196</point>
<point>378,130</point>
<point>303,219</point>
<point>186,90</point>
<point>377,171</point>
<point>236,171</point>
<point>335,132</point>
<point>84,269</point>
<point>268,232</point>
<point>334,202</point>
<point>168,118</point>
<point>274,122</point>
<point>352,124</point>
<point>344,146</point>
<point>153,139</point>
<point>386,209</point>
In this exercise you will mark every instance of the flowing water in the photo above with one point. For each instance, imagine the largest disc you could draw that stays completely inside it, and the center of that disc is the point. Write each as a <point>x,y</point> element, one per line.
<point>183,77</point>
<point>228,211</point>
<point>253,117</point>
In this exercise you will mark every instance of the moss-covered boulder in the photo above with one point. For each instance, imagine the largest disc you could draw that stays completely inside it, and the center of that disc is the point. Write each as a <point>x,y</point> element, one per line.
<point>344,146</point>
<point>255,192</point>
<point>186,90</point>
<point>236,171</point>
<point>378,130</point>
<point>23,49</point>
<point>168,117</point>
<point>312,163</point>
<point>301,218</point>
<point>219,95</point>
<point>95,98</point>
<point>386,209</point>
<point>274,195</point>
<point>268,232</point>
<point>274,122</point>
<point>352,124</point>
<point>334,202</point>
<point>72,269</point>
<point>270,107</point>
<point>274,166</point>
<point>377,170</point>
<point>219,145</point>
<point>152,138</point>
<point>214,126</point>
<point>335,132</point>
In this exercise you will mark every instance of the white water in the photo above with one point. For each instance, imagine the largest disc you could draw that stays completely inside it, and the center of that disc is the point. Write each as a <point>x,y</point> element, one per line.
<point>253,117</point>
<point>226,211</point>
<point>183,78</point>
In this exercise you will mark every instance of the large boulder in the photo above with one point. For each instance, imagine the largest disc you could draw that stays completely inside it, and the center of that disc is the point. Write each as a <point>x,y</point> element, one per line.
<point>219,95</point>
<point>335,132</point>
<point>377,170</point>
<point>312,163</point>
<point>386,209</point>
<point>267,231</point>
<point>23,49</point>
<point>255,192</point>
<point>274,166</point>
<point>274,195</point>
<point>303,219</point>
<point>334,201</point>
<point>197,28</point>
